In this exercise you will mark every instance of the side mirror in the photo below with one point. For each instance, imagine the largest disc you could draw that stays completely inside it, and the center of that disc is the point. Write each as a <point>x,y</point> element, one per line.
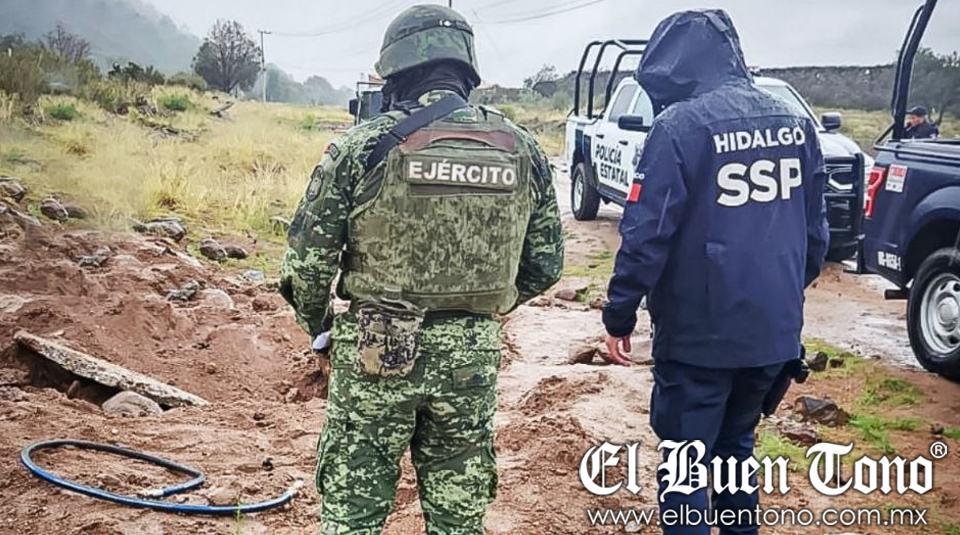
<point>354,106</point>
<point>632,123</point>
<point>831,121</point>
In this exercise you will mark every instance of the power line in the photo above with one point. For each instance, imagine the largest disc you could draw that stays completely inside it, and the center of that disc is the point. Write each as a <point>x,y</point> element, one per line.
<point>513,3</point>
<point>362,19</point>
<point>545,14</point>
<point>489,38</point>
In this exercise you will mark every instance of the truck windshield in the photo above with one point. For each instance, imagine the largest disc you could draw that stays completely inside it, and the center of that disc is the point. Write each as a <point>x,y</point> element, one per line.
<point>787,93</point>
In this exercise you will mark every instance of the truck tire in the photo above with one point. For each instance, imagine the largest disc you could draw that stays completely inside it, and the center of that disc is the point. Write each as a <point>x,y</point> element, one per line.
<point>933,314</point>
<point>584,198</point>
<point>842,253</point>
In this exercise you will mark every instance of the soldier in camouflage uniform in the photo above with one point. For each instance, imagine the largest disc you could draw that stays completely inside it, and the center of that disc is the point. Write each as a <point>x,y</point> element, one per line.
<point>457,224</point>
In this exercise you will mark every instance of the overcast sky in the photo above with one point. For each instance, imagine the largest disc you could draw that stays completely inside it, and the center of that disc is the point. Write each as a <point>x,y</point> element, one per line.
<point>774,33</point>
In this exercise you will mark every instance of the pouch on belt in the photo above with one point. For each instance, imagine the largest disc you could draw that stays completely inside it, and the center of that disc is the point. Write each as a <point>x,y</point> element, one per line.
<point>390,337</point>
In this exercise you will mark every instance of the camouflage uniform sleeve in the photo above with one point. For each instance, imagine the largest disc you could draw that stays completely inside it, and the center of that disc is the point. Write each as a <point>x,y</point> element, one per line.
<point>319,228</point>
<point>542,262</point>
<point>316,237</point>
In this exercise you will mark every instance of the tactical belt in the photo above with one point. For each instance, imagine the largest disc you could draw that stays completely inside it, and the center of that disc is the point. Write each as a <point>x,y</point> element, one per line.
<point>436,315</point>
<point>399,133</point>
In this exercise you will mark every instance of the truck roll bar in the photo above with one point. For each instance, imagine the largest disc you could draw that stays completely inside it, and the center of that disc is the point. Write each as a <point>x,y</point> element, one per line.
<point>901,89</point>
<point>627,47</point>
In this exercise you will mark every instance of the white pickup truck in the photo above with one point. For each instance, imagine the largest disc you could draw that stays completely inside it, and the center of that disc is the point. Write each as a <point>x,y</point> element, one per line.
<point>601,149</point>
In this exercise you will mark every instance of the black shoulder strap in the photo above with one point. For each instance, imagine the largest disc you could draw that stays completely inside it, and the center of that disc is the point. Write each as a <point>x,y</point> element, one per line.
<point>399,133</point>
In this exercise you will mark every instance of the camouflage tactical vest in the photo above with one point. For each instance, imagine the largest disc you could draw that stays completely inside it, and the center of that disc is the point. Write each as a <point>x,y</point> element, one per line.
<point>443,222</point>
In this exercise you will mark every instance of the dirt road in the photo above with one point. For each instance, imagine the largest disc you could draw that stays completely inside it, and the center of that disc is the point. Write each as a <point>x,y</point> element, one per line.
<point>846,310</point>
<point>237,346</point>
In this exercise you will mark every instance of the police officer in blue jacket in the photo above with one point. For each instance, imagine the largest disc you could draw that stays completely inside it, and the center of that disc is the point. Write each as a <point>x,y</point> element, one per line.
<point>725,227</point>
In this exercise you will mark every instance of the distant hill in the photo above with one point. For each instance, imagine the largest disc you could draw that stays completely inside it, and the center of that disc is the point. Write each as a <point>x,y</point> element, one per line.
<point>863,88</point>
<point>316,90</point>
<point>851,87</point>
<point>118,30</point>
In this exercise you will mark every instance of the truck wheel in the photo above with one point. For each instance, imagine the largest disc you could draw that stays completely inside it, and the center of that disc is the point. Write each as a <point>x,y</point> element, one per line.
<point>934,314</point>
<point>584,198</point>
<point>839,254</point>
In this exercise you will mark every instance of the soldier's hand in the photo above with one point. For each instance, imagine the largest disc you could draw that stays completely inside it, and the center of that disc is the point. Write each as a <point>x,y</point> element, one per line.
<point>618,349</point>
<point>321,344</point>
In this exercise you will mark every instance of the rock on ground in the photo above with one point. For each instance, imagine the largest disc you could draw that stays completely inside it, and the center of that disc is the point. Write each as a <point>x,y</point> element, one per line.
<point>186,293</point>
<point>822,411</point>
<point>221,496</point>
<point>75,211</point>
<point>168,227</point>
<point>129,403</point>
<point>212,250</point>
<point>798,433</point>
<point>217,299</point>
<point>97,259</point>
<point>584,354</point>
<point>52,209</point>
<point>236,252</point>
<point>254,275</point>
<point>819,362</point>
<point>11,187</point>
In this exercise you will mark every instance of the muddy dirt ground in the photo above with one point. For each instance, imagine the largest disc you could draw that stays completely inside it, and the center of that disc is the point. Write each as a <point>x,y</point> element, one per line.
<point>237,346</point>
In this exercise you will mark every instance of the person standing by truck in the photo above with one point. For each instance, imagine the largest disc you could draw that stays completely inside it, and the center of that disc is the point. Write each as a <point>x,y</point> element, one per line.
<point>917,125</point>
<point>724,228</point>
<point>446,215</point>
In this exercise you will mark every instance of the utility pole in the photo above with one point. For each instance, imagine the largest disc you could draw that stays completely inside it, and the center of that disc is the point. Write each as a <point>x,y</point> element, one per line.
<point>450,4</point>
<point>263,62</point>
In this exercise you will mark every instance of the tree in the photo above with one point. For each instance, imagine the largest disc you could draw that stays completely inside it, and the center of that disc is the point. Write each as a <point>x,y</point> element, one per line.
<point>132,72</point>
<point>547,73</point>
<point>228,58</point>
<point>72,47</point>
<point>544,82</point>
<point>11,42</point>
<point>936,82</point>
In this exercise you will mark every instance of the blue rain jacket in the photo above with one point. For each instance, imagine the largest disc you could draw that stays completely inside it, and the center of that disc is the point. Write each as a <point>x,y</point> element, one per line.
<point>725,225</point>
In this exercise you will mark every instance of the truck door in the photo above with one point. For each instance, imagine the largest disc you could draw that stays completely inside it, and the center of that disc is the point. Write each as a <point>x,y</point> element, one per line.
<point>612,153</point>
<point>642,107</point>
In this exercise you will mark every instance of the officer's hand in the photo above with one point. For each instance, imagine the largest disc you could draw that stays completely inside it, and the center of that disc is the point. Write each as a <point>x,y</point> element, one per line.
<point>618,349</point>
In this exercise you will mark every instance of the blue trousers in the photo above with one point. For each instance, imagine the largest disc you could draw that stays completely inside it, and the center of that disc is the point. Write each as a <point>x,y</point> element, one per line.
<point>720,407</point>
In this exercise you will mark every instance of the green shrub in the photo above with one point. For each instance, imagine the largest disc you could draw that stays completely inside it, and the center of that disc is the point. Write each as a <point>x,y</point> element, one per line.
<point>132,72</point>
<point>509,111</point>
<point>561,102</point>
<point>114,95</point>
<point>188,79</point>
<point>62,112</point>
<point>21,75</point>
<point>175,102</point>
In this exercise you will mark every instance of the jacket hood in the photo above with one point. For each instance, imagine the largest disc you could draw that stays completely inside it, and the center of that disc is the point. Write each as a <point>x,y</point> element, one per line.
<point>691,52</point>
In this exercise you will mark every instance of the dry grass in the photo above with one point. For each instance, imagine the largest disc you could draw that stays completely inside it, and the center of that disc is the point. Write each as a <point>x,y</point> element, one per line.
<point>865,126</point>
<point>221,176</point>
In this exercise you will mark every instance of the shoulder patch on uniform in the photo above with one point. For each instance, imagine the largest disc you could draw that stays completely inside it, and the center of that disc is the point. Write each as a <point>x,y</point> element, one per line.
<point>333,151</point>
<point>316,183</point>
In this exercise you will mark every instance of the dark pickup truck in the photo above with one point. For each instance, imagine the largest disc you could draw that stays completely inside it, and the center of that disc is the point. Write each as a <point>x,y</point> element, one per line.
<point>912,224</point>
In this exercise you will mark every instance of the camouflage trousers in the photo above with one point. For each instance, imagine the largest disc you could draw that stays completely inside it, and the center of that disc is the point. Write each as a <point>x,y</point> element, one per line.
<point>442,410</point>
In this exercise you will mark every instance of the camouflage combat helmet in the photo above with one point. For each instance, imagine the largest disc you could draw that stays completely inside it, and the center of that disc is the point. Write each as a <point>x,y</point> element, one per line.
<point>424,34</point>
